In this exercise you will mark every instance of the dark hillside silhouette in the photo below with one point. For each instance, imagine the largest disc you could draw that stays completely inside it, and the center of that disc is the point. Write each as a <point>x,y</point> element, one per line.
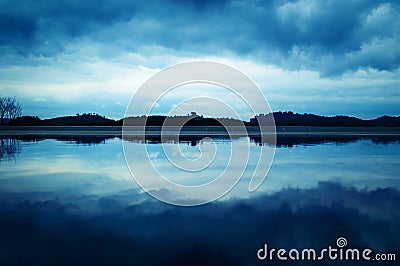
<point>84,119</point>
<point>295,119</point>
<point>26,121</point>
<point>77,120</point>
<point>189,120</point>
<point>281,119</point>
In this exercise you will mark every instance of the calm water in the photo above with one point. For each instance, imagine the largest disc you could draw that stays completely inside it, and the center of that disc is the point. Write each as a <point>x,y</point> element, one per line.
<point>73,200</point>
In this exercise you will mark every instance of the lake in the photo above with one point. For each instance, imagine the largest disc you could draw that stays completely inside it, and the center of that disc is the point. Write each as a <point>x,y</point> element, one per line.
<point>71,200</point>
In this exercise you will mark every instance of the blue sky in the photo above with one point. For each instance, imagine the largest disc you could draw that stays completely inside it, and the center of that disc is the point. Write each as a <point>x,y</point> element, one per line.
<point>327,57</point>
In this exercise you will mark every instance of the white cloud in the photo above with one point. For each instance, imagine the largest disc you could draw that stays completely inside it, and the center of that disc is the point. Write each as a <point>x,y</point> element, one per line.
<point>38,100</point>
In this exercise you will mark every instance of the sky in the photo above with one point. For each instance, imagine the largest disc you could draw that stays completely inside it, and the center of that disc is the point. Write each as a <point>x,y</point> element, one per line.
<point>64,57</point>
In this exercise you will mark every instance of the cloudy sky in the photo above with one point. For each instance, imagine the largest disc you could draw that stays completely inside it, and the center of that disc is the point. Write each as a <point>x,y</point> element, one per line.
<point>62,57</point>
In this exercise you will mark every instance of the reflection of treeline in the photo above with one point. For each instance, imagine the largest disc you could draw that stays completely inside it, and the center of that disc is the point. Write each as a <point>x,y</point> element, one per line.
<point>9,148</point>
<point>281,119</point>
<point>12,145</point>
<point>79,139</point>
<point>304,140</point>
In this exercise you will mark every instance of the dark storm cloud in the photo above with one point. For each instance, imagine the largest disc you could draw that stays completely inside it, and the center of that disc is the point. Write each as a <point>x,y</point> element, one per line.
<point>32,27</point>
<point>221,233</point>
<point>329,36</point>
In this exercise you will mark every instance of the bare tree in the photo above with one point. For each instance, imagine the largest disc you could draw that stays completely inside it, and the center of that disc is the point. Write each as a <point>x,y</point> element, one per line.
<point>10,108</point>
<point>14,108</point>
<point>3,108</point>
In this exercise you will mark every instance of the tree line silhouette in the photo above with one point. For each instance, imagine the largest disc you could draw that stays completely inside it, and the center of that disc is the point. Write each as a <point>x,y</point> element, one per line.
<point>11,110</point>
<point>281,119</point>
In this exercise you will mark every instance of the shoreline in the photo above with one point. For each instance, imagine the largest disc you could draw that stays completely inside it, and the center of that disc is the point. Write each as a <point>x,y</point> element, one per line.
<point>194,131</point>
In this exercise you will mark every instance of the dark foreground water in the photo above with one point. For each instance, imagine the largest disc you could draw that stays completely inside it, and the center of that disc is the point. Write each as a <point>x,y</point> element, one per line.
<point>72,201</point>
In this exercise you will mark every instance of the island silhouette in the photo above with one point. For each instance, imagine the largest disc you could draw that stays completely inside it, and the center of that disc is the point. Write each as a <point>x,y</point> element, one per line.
<point>281,119</point>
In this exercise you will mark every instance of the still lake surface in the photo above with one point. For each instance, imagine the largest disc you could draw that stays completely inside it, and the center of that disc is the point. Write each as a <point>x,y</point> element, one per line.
<point>72,199</point>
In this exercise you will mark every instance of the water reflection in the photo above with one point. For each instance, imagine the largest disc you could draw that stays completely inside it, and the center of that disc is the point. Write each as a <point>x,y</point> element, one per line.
<point>284,141</point>
<point>220,233</point>
<point>288,141</point>
<point>65,199</point>
<point>10,147</point>
<point>71,139</point>
<point>97,164</point>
